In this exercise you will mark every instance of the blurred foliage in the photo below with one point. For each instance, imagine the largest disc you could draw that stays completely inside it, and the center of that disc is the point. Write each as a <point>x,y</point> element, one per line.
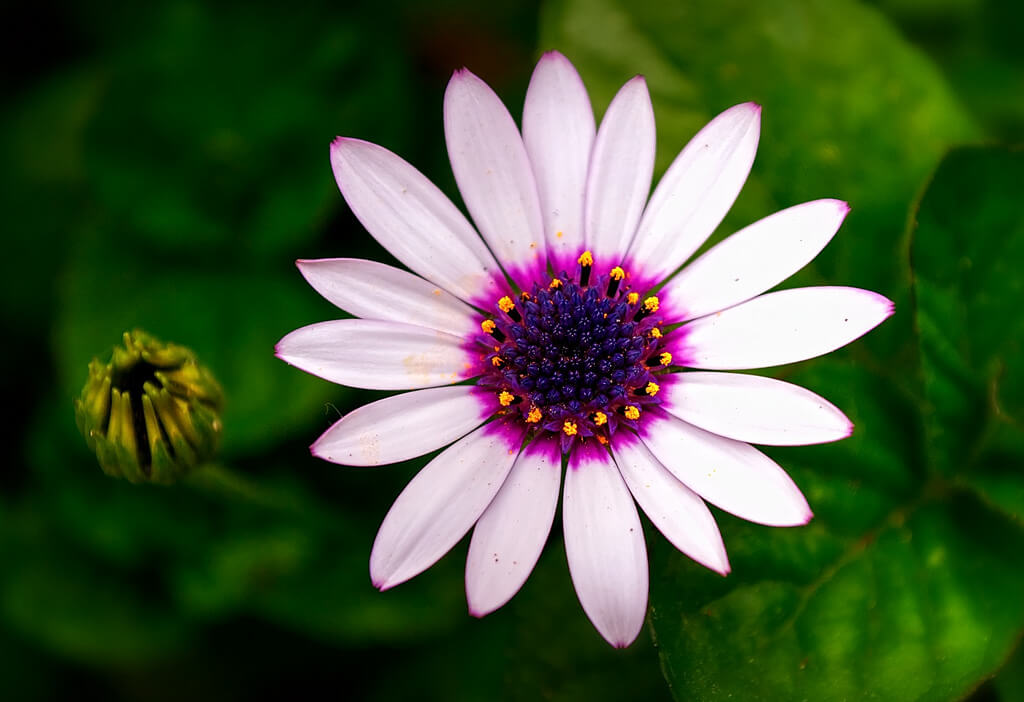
<point>167,162</point>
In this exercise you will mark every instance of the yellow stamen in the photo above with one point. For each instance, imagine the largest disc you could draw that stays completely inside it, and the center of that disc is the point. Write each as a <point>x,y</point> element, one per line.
<point>665,358</point>
<point>633,298</point>
<point>651,304</point>
<point>600,418</point>
<point>506,304</point>
<point>505,398</point>
<point>488,325</point>
<point>534,416</point>
<point>656,334</point>
<point>652,389</point>
<point>601,439</point>
<point>632,412</point>
<point>555,283</point>
<point>617,273</point>
<point>585,259</point>
<point>496,361</point>
<point>525,295</point>
<point>569,428</point>
<point>559,235</point>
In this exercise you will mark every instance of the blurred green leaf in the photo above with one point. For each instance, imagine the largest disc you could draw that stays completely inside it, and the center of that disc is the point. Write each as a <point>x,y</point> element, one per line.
<point>214,125</point>
<point>850,111</point>
<point>968,257</point>
<point>922,608</point>
<point>231,314</point>
<point>1010,681</point>
<point>52,595</point>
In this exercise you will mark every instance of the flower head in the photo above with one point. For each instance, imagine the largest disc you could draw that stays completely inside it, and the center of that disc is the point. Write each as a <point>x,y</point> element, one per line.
<point>152,412</point>
<point>563,333</point>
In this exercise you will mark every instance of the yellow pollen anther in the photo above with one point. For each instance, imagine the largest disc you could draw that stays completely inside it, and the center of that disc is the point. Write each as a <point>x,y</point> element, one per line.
<point>555,283</point>
<point>585,259</point>
<point>652,389</point>
<point>656,334</point>
<point>601,439</point>
<point>633,298</point>
<point>488,325</point>
<point>600,418</point>
<point>525,295</point>
<point>534,416</point>
<point>496,361</point>
<point>651,304</point>
<point>632,412</point>
<point>506,304</point>
<point>665,358</point>
<point>505,398</point>
<point>559,235</point>
<point>569,428</point>
<point>617,273</point>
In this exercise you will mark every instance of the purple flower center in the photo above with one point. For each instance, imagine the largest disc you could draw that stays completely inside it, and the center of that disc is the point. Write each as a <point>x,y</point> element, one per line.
<point>577,357</point>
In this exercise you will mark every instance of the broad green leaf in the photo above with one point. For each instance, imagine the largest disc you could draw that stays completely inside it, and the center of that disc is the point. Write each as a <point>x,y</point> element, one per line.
<point>968,257</point>
<point>850,111</point>
<point>923,607</point>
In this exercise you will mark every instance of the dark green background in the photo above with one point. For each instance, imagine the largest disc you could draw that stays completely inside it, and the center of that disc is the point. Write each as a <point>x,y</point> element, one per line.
<point>167,163</point>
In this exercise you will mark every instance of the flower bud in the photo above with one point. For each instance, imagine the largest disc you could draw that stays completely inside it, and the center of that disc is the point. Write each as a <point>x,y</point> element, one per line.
<point>152,412</point>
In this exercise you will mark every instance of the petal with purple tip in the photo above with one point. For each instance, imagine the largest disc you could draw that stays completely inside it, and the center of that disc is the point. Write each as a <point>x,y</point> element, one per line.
<point>729,474</point>
<point>413,219</point>
<point>441,504</point>
<point>403,426</point>
<point>697,190</point>
<point>377,355</point>
<point>781,327</point>
<point>754,259</point>
<point>753,409</point>
<point>508,539</point>
<point>374,290</point>
<point>558,131</point>
<point>604,544</point>
<point>675,510</point>
<point>494,176</point>
<point>621,167</point>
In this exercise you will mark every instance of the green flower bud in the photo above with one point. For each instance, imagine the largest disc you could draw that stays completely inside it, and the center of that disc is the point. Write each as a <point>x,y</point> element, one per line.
<point>152,412</point>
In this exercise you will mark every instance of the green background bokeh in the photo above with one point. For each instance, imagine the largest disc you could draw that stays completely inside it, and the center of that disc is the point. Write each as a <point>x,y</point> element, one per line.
<point>166,164</point>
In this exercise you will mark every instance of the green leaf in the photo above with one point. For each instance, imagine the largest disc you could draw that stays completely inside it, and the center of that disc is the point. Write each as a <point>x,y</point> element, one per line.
<point>850,111</point>
<point>214,126</point>
<point>968,256</point>
<point>921,608</point>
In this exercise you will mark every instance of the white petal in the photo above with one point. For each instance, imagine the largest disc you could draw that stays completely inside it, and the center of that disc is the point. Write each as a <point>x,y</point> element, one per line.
<point>494,176</point>
<point>754,259</point>
<point>675,510</point>
<point>508,539</point>
<point>373,290</point>
<point>441,504</point>
<point>780,327</point>
<point>729,474</point>
<point>377,355</point>
<point>697,191</point>
<point>403,426</point>
<point>621,167</point>
<point>558,131</point>
<point>604,544</point>
<point>754,409</point>
<point>413,219</point>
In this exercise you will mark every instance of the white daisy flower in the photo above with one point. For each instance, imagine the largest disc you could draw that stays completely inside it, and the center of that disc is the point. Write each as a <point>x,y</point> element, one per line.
<point>562,333</point>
